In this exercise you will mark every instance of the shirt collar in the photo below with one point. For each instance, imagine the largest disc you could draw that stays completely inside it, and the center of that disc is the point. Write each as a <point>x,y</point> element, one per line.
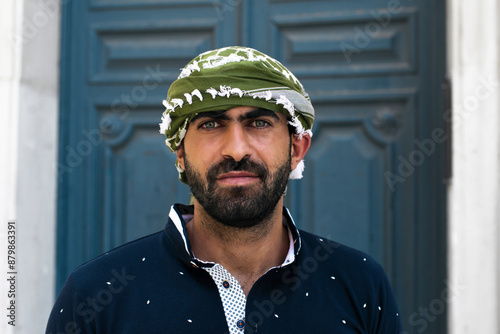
<point>178,234</point>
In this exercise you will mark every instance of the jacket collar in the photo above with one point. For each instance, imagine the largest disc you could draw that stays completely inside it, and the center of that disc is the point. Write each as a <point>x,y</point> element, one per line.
<point>177,234</point>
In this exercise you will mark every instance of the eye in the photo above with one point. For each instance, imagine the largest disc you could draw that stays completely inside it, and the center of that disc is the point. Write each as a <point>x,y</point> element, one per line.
<point>260,123</point>
<point>210,125</point>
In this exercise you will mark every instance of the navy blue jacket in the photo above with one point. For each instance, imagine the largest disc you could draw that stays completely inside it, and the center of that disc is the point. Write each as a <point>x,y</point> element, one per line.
<point>154,285</point>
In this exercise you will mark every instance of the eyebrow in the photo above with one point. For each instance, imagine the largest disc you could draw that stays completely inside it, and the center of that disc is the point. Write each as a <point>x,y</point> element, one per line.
<point>221,115</point>
<point>211,114</point>
<point>256,113</point>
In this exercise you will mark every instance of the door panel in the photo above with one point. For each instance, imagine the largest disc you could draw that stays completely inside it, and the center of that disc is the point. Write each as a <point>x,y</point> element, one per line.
<point>373,70</point>
<point>117,178</point>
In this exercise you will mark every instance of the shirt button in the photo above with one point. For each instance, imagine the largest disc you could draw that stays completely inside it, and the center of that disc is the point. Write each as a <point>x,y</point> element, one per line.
<point>226,284</point>
<point>240,324</point>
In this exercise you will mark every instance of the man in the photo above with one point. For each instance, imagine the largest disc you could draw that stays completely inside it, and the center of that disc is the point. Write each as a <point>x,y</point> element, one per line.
<point>234,262</point>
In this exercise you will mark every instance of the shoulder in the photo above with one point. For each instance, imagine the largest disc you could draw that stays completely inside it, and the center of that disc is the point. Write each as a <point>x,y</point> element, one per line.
<point>351,281</point>
<point>340,260</point>
<point>121,263</point>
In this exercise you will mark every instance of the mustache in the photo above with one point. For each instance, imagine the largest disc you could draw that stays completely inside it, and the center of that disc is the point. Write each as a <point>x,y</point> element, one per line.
<point>230,165</point>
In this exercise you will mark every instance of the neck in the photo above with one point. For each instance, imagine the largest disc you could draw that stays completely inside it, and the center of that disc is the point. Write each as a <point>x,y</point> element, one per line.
<point>247,253</point>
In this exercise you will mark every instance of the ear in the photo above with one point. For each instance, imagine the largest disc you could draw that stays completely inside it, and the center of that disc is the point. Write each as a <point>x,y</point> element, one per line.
<point>180,156</point>
<point>300,145</point>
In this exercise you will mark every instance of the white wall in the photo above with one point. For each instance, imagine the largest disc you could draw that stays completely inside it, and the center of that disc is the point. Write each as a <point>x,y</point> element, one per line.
<point>29,73</point>
<point>9,73</point>
<point>474,238</point>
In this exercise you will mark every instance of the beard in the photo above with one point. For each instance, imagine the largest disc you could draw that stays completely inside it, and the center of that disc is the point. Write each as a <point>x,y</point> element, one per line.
<point>239,206</point>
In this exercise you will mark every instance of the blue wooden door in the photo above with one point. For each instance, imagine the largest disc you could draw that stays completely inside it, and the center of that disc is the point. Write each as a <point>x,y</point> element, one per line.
<point>374,173</point>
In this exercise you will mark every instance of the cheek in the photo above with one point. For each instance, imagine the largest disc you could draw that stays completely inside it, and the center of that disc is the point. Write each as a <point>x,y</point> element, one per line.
<point>194,147</point>
<point>201,157</point>
<point>276,154</point>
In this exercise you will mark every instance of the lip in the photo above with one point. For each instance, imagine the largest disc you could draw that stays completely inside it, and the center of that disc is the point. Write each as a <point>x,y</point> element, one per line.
<point>237,178</point>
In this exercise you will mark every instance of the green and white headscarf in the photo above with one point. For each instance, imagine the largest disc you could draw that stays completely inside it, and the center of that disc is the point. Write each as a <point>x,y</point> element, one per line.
<point>229,77</point>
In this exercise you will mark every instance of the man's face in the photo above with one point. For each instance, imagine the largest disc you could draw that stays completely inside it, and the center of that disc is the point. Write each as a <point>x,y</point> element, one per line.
<point>237,163</point>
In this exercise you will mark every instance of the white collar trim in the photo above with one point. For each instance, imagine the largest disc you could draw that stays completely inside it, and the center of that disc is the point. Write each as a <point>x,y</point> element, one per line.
<point>290,257</point>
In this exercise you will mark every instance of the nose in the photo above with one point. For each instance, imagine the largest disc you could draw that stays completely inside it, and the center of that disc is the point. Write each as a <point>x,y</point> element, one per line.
<point>236,143</point>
